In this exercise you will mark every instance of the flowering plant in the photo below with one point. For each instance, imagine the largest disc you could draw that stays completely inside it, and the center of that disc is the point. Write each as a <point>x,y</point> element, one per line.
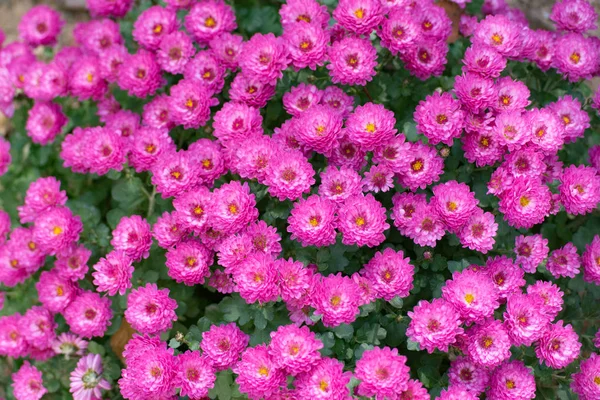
<point>311,200</point>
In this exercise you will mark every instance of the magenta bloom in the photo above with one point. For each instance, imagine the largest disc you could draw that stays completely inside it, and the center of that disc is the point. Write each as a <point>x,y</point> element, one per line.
<point>348,154</point>
<point>307,45</point>
<point>579,189</point>
<point>511,95</point>
<point>147,146</point>
<point>257,373</point>
<point>250,91</point>
<point>484,61</point>
<point>294,349</point>
<point>55,292</point>
<point>132,235</point>
<point>45,122</point>
<point>512,381</point>
<point>109,8</point>
<point>336,298</point>
<point>12,340</point>
<point>140,74</point>
<point>264,57</point>
<point>545,129</point>
<point>222,282</point>
<point>86,81</point>
<point>309,11</point>
<point>190,104</point>
<point>338,100</point>
<point>505,274</point>
<point>205,70</point>
<point>362,221</point>
<point>559,346</point>
<point>150,310</point>
<point>312,222</point>
<point>474,92</point>
<point>223,345</point>
<point>256,278</point>
<point>551,294</point>
<point>531,251</point>
<point>575,120</point>
<point>525,203</point>
<point>440,118</point>
<point>326,380</point>
<point>479,232</point>
<point>426,58</point>
<point>174,52</point>
<point>189,262</point>
<point>463,372</point>
<point>584,381</point>
<point>42,195</point>
<point>55,230</point>
<point>434,325</point>
<point>425,227</point>
<point>575,56</point>
<point>208,19</point>
<point>301,98</point>
<point>405,206</point>
<point>359,16</point>
<point>378,179</point>
<point>86,379</point>
<point>105,150</point>
<point>233,206</point>
<point>235,122</point>
<point>89,315</point>
<point>174,173</point>
<point>564,262</point>
<point>113,273</point>
<point>500,33</point>
<point>482,148</point>
<point>390,274</point>
<point>195,375</point>
<point>295,281</point>
<point>456,393</point>
<point>152,25</point>
<point>290,176</point>
<point>226,48</point>
<point>526,319</point>
<point>488,344</point>
<point>370,126</point>
<point>27,383</point>
<point>382,373</point>
<point>156,113</point>
<point>591,261</point>
<point>399,31</point>
<point>72,263</point>
<point>41,25</point>
<point>338,184</point>
<point>319,129</point>
<point>419,165</point>
<point>168,231</point>
<point>574,16</point>
<point>472,294</point>
<point>38,327</point>
<point>454,203</point>
<point>352,61</point>
<point>4,225</point>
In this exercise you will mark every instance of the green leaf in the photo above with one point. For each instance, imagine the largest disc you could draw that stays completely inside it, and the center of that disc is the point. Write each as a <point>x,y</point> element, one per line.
<point>344,331</point>
<point>412,346</point>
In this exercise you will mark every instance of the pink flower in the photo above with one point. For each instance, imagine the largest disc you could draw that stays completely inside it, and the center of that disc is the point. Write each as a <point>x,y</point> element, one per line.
<point>337,184</point>
<point>352,61</point>
<point>38,327</point>
<point>348,154</point>
<point>295,280</point>
<point>12,340</point>
<point>72,263</point>
<point>152,25</point>
<point>337,100</point>
<point>511,95</point>
<point>233,206</point>
<point>500,33</point>
<point>86,81</point>
<point>525,203</point>
<point>4,226</point>
<point>140,74</point>
<point>209,19</point>
<point>45,122</point>
<point>472,294</point>
<point>55,292</point>
<point>463,372</point>
<point>456,393</point>
<point>370,126</point>
<point>132,235</point>
<point>174,173</point>
<point>479,232</point>
<point>301,98</point>
<point>579,189</point>
<point>474,92</point>
<point>434,325</point>
<point>209,156</point>
<point>419,165</point>
<point>150,310</point>
<point>250,91</point>
<point>55,230</point>
<point>156,113</point>
<point>511,130</point>
<point>257,374</point>
<point>505,274</point>
<point>147,146</point>
<point>545,130</point>
<point>426,58</point>
<point>484,61</point>
<point>235,122</point>
<point>575,120</point>
<point>378,178</point>
<point>488,344</point>
<point>312,222</point>
<point>89,315</point>
<point>27,383</point>
<point>233,250</point>
<point>454,203</point>
<point>574,16</point>
<point>551,294</point>
<point>43,82</point>
<point>559,346</point>
<point>223,345</point>
<point>113,273</point>
<point>307,45</point>
<point>575,56</point>
<point>195,375</point>
<point>531,251</point>
<point>256,279</point>
<point>319,129</point>
<point>168,230</point>
<point>382,373</point>
<point>205,70</point>
<point>591,261</point>
<point>41,25</point>
<point>325,381</point>
<point>290,176</point>
<point>299,11</point>
<point>98,35</point>
<point>425,227</point>
<point>359,16</point>
<point>264,57</point>
<point>584,381</point>
<point>294,349</point>
<point>105,150</point>
<point>405,206</point>
<point>111,61</point>
<point>42,195</point>
<point>69,345</point>
<point>362,221</point>
<point>526,319</point>
<point>86,379</point>
<point>336,298</point>
<point>174,52</point>
<point>482,148</point>
<point>390,274</point>
<point>512,381</point>
<point>226,48</point>
<point>189,262</point>
<point>440,118</point>
<point>564,262</point>
<point>399,31</point>
<point>190,104</point>
<point>106,8</point>
<point>265,238</point>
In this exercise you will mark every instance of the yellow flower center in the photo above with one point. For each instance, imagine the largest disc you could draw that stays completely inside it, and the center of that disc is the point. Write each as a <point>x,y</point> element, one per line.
<point>176,174</point>
<point>210,22</point>
<point>417,165</point>
<point>469,298</point>
<point>335,301</point>
<point>324,385</point>
<point>31,246</point>
<point>294,350</point>
<point>452,206</point>
<point>198,210</point>
<point>313,221</point>
<point>510,384</point>
<point>60,291</point>
<point>360,13</point>
<point>206,163</point>
<point>157,29</point>
<point>566,119</point>
<point>597,380</point>
<point>441,118</point>
<point>150,148</point>
<point>497,39</point>
<point>524,201</point>
<point>190,261</point>
<point>360,221</point>
<point>57,230</point>
<point>89,77</point>
<point>488,342</point>
<point>575,57</point>
<point>189,103</point>
<point>233,209</point>
<point>263,371</point>
<point>370,127</point>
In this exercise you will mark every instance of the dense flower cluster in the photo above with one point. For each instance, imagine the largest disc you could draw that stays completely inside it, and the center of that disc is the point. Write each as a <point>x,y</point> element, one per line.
<point>278,160</point>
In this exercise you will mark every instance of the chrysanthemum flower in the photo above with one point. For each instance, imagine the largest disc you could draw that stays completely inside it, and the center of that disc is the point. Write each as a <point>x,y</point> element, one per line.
<point>574,16</point>
<point>326,380</point>
<point>337,100</point>
<point>499,32</point>
<point>294,349</point>
<point>382,373</point>
<point>264,57</point>
<point>352,61</point>
<point>38,327</point>
<point>132,235</point>
<point>174,173</point>
<point>290,176</point>
<point>233,206</point>
<point>257,373</point>
<point>226,48</point>
<point>319,129</point>
<point>584,381</point>
<point>359,16</point>
<point>362,221</point>
<point>531,251</point>
<point>45,122</point>
<point>525,203</point>
<point>55,230</point>
<point>337,184</point>
<point>512,381</point>
<point>86,379</point>
<point>390,274</point>
<point>426,58</point>
<point>564,262</point>
<point>42,195</point>
<point>223,345</point>
<point>472,294</point>
<point>195,375</point>
<point>307,45</point>
<point>250,91</point>
<point>463,372</point>
<point>370,126</point>
<point>189,262</point>
<point>425,227</point>
<point>419,166</point>
<point>235,122</point>
<point>40,25</point>
<point>484,61</point>
<point>256,278</point>
<point>439,118</point>
<point>526,319</point>
<point>69,345</point>
<point>434,325</point>
<point>475,92</point>
<point>208,19</point>
<point>140,74</point>
<point>559,346</point>
<point>575,56</point>
<point>150,310</point>
<point>152,25</point>
<point>27,383</point>
<point>312,222</point>
<point>488,344</point>
<point>55,292</point>
<point>174,52</point>
<point>591,261</point>
<point>575,120</point>
<point>579,189</point>
<point>456,393</point>
<point>156,113</point>
<point>405,206</point>
<point>454,203</point>
<point>89,315</point>
<point>72,263</point>
<point>113,273</point>
<point>505,274</point>
<point>109,8</point>
<point>336,298</point>
<point>300,11</point>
